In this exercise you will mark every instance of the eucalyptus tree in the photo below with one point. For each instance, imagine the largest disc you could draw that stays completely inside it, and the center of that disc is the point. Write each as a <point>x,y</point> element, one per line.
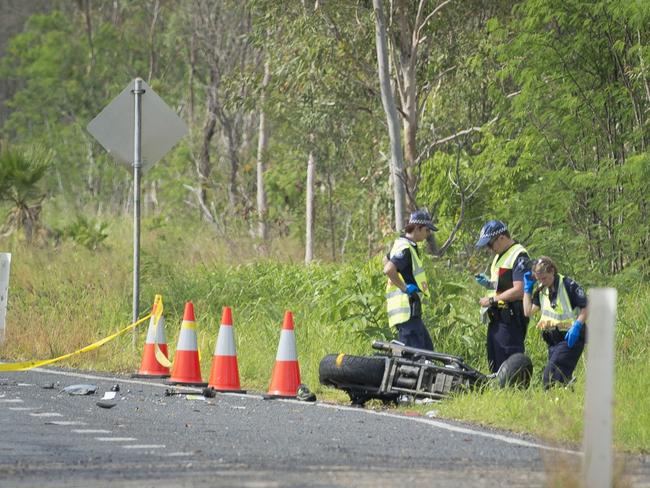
<point>221,61</point>
<point>316,101</point>
<point>69,64</point>
<point>262,149</point>
<point>579,127</point>
<point>392,120</point>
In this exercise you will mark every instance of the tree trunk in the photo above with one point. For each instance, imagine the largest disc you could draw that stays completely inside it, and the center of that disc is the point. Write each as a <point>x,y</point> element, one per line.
<point>331,214</point>
<point>152,39</point>
<point>397,161</point>
<point>204,165</point>
<point>309,213</point>
<point>262,142</point>
<point>407,52</point>
<point>190,82</point>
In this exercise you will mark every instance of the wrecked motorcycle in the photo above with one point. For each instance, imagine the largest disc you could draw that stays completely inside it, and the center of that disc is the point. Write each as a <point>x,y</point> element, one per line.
<point>400,370</point>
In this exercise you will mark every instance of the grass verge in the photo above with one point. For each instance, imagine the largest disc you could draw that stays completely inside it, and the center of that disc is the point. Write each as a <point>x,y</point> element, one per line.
<point>64,298</point>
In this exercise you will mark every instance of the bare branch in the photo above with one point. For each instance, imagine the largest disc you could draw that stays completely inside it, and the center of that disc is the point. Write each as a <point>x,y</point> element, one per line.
<point>428,150</point>
<point>428,17</point>
<point>461,217</point>
<point>426,90</point>
<point>200,203</point>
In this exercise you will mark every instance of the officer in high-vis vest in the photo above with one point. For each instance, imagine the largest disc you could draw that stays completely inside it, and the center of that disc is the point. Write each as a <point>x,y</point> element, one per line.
<point>502,305</point>
<point>563,306</point>
<point>407,282</point>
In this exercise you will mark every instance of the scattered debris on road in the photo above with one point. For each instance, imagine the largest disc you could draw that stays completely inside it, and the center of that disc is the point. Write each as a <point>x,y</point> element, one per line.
<point>81,389</point>
<point>304,394</point>
<point>105,404</point>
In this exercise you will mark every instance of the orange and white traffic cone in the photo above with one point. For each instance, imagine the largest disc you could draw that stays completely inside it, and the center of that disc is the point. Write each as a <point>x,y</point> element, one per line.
<point>286,372</point>
<point>187,368</point>
<point>154,365</point>
<point>224,375</point>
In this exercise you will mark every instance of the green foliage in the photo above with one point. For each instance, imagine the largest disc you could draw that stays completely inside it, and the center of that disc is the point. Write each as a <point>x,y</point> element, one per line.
<point>21,173</point>
<point>86,232</point>
<point>577,118</point>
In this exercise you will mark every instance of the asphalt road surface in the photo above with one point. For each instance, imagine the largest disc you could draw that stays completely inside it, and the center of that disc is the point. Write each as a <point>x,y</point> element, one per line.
<point>49,438</point>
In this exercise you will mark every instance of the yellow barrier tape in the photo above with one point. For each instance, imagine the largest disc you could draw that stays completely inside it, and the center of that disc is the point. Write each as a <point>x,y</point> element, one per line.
<point>158,311</point>
<point>35,364</point>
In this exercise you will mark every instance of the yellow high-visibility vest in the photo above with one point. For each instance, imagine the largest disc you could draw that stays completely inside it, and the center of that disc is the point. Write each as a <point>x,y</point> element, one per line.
<point>562,316</point>
<point>397,302</point>
<point>506,261</point>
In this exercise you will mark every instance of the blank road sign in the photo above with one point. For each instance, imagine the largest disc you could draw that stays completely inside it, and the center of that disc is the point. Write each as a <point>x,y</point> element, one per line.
<point>114,127</point>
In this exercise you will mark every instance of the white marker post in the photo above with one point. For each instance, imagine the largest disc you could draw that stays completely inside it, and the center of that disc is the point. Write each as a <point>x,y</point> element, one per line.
<point>598,467</point>
<point>5,264</point>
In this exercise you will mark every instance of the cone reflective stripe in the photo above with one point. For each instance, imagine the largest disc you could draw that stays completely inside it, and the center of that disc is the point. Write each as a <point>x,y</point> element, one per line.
<point>224,375</point>
<point>150,365</point>
<point>286,372</point>
<point>187,368</point>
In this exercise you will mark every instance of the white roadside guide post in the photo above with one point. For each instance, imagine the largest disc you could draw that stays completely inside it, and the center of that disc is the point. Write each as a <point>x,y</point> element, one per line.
<point>598,463</point>
<point>5,264</point>
<point>137,128</point>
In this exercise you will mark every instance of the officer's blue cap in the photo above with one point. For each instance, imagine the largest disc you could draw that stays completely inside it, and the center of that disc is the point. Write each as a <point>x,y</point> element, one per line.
<point>491,229</point>
<point>422,217</point>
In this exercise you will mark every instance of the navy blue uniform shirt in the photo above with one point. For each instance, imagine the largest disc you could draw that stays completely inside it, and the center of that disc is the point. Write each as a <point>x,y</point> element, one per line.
<point>522,264</point>
<point>577,296</point>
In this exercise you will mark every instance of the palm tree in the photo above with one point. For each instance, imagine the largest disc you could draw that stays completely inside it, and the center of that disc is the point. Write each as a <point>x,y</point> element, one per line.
<point>20,177</point>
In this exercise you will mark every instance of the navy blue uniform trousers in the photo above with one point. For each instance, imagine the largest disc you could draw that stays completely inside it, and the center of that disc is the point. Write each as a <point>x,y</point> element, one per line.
<point>413,333</point>
<point>505,335</point>
<point>562,359</point>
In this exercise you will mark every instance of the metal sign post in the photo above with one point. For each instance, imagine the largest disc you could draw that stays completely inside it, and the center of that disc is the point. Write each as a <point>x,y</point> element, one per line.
<point>598,463</point>
<point>137,165</point>
<point>137,128</point>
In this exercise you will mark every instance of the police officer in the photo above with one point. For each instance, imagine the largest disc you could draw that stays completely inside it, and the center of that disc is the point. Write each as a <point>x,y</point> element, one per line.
<point>502,306</point>
<point>407,282</point>
<point>563,306</point>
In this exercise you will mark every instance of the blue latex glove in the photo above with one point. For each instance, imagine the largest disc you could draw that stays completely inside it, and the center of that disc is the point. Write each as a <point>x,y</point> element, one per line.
<point>573,334</point>
<point>529,282</point>
<point>411,289</point>
<point>483,280</point>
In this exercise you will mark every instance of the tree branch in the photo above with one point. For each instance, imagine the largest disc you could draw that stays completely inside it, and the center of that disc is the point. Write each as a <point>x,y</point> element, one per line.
<point>427,151</point>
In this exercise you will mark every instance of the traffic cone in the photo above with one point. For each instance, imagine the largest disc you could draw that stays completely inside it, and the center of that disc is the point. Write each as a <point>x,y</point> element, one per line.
<point>187,368</point>
<point>286,372</point>
<point>151,367</point>
<point>224,375</point>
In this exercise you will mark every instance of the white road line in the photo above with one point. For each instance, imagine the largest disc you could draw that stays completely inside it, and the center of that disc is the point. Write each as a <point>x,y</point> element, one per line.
<point>455,428</point>
<point>432,423</point>
<point>113,379</point>
<point>46,414</point>
<point>67,422</point>
<point>144,446</point>
<point>91,431</point>
<point>178,454</point>
<point>10,400</point>
<point>21,409</point>
<point>116,439</point>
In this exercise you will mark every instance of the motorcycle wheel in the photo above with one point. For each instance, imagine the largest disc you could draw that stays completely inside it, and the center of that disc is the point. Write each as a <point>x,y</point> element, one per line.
<point>342,369</point>
<point>517,371</point>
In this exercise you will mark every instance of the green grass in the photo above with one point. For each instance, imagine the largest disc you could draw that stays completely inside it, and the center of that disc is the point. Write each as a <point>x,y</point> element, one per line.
<point>64,298</point>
